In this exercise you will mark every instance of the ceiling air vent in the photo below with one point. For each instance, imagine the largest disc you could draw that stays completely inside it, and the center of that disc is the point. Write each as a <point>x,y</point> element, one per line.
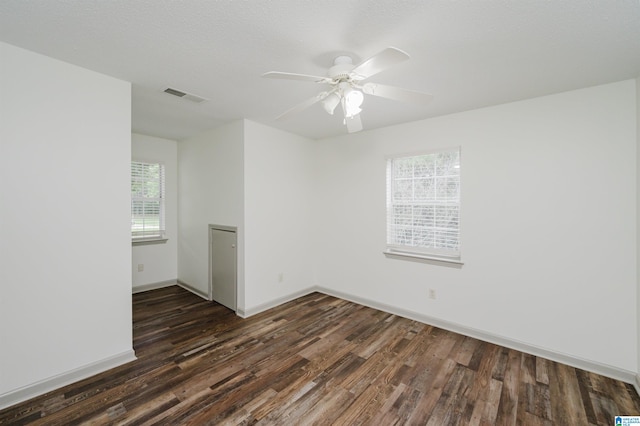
<point>183,95</point>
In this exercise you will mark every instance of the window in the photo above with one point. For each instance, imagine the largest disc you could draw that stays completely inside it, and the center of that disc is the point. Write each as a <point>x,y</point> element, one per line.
<point>423,205</point>
<point>147,200</point>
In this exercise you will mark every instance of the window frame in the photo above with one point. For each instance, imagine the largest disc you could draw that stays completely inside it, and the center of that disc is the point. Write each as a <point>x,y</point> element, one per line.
<point>151,237</point>
<point>420,252</point>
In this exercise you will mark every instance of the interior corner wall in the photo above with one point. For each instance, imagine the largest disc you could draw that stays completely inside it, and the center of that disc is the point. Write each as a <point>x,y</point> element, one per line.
<point>548,225</point>
<point>160,261</point>
<point>278,181</point>
<point>210,191</point>
<point>65,245</point>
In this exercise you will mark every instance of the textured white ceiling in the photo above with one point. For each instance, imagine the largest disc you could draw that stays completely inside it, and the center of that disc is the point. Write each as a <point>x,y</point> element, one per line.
<point>467,53</point>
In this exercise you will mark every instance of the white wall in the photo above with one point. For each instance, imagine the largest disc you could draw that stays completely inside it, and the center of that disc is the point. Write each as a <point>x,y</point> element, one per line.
<point>278,180</point>
<point>65,247</point>
<point>160,260</point>
<point>210,191</point>
<point>548,222</point>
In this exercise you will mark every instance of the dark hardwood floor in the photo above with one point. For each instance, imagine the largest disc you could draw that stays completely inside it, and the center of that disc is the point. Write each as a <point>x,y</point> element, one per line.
<point>320,360</point>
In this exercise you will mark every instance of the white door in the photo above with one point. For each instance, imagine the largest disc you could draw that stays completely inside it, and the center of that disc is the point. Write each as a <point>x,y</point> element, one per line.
<point>222,265</point>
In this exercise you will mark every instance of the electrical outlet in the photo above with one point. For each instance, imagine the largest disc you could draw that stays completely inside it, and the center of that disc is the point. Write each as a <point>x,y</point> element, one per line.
<point>432,294</point>
<point>140,267</point>
<point>281,277</point>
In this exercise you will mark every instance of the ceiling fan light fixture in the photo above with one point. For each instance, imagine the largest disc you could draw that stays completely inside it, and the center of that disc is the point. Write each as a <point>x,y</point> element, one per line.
<point>352,101</point>
<point>330,103</point>
<point>347,86</point>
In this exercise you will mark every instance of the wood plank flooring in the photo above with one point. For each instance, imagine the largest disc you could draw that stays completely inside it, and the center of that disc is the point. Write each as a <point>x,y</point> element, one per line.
<point>320,360</point>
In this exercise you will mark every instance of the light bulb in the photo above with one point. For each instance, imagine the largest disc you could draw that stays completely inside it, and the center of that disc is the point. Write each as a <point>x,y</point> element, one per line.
<point>352,101</point>
<point>330,103</point>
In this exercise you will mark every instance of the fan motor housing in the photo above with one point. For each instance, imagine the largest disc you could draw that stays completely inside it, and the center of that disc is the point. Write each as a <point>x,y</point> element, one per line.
<point>341,68</point>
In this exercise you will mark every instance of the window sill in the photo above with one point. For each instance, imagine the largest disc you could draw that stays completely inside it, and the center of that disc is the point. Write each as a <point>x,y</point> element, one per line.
<point>428,258</point>
<point>147,241</point>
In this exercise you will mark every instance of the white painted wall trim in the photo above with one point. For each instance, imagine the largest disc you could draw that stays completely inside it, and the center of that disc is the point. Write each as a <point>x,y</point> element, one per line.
<point>275,302</point>
<point>27,392</point>
<point>602,369</point>
<point>193,290</point>
<point>154,286</point>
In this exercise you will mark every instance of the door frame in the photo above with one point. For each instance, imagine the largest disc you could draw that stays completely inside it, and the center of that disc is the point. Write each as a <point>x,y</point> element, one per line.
<point>234,230</point>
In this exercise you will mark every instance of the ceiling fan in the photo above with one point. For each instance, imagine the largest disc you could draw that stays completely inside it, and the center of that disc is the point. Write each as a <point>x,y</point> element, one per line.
<point>346,86</point>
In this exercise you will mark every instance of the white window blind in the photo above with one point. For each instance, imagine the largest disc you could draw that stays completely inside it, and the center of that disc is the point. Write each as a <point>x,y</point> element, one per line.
<point>147,200</point>
<point>423,204</point>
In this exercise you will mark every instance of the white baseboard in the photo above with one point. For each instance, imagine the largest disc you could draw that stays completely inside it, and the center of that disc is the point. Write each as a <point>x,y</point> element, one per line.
<point>273,303</point>
<point>595,367</point>
<point>193,290</point>
<point>43,386</point>
<point>636,384</point>
<point>154,286</point>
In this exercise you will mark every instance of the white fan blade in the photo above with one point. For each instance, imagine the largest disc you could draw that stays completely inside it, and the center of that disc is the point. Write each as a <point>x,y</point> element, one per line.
<point>294,76</point>
<point>396,93</point>
<point>354,124</point>
<point>303,105</point>
<point>377,63</point>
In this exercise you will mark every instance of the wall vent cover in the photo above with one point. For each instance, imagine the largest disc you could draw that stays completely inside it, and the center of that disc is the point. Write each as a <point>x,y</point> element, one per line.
<point>184,95</point>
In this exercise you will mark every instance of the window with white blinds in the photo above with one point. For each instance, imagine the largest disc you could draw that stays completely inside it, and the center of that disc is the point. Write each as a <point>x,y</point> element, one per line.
<point>147,200</point>
<point>423,204</point>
